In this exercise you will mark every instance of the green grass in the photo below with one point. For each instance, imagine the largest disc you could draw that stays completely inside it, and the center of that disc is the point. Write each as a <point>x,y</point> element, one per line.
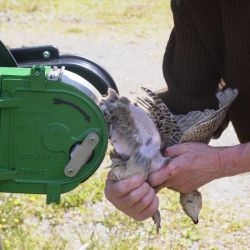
<point>86,17</point>
<point>85,218</point>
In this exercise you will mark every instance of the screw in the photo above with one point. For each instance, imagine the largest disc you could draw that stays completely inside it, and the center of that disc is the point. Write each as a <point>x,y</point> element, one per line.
<point>70,171</point>
<point>92,139</point>
<point>46,54</point>
<point>37,73</point>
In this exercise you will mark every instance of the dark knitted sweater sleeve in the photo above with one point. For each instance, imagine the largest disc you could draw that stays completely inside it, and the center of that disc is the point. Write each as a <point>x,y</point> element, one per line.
<point>190,74</point>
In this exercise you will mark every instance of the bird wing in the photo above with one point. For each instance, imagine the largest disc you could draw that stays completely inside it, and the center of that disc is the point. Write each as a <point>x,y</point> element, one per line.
<point>207,122</point>
<point>162,117</point>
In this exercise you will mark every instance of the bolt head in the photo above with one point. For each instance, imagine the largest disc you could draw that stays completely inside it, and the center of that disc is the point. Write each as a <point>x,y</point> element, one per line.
<point>37,73</point>
<point>92,139</point>
<point>46,54</point>
<point>70,171</point>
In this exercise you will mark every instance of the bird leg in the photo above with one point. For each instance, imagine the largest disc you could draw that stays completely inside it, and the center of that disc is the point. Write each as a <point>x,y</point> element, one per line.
<point>157,220</point>
<point>121,170</point>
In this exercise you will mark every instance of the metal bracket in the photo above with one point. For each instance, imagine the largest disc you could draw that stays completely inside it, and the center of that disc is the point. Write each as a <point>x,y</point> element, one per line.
<point>56,74</point>
<point>81,154</point>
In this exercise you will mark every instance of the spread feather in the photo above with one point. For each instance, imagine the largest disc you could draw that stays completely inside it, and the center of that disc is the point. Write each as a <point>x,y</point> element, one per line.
<point>139,132</point>
<point>195,126</point>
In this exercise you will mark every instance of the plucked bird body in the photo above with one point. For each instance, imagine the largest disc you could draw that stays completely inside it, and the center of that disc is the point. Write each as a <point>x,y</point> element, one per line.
<point>135,139</point>
<point>140,133</point>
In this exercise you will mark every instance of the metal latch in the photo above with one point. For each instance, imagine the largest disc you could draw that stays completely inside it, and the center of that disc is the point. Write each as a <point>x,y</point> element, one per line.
<point>81,154</point>
<point>56,74</point>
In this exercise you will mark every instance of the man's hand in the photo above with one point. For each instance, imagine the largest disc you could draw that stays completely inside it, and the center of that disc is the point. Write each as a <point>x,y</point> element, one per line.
<point>133,197</point>
<point>192,166</point>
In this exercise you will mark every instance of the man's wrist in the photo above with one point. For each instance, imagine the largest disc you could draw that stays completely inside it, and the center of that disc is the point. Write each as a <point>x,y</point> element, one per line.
<point>234,160</point>
<point>221,153</point>
<point>218,166</point>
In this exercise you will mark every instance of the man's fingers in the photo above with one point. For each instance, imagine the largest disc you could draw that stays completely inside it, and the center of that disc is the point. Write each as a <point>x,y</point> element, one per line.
<point>149,210</point>
<point>173,189</point>
<point>176,150</point>
<point>123,187</point>
<point>166,184</point>
<point>162,175</point>
<point>134,196</point>
<point>144,202</point>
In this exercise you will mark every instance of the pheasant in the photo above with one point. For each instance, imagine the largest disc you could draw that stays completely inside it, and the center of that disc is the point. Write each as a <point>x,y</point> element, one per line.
<point>139,132</point>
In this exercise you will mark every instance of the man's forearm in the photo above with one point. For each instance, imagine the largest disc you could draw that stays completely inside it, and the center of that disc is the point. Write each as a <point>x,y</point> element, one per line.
<point>234,160</point>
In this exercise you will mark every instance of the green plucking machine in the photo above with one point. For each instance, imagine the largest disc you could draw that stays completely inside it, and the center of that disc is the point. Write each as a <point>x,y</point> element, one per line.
<point>53,135</point>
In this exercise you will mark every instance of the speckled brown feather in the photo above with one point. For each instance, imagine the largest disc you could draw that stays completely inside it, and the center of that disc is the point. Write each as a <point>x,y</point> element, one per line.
<point>162,117</point>
<point>195,126</point>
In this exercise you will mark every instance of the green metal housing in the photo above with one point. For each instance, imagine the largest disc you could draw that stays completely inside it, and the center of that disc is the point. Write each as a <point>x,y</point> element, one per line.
<point>37,133</point>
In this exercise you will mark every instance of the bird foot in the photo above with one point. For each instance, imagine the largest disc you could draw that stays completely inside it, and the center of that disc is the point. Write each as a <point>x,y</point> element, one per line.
<point>157,220</point>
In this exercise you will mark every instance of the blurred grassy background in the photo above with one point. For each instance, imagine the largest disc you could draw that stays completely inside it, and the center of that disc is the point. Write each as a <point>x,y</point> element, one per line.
<point>85,220</point>
<point>92,17</point>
